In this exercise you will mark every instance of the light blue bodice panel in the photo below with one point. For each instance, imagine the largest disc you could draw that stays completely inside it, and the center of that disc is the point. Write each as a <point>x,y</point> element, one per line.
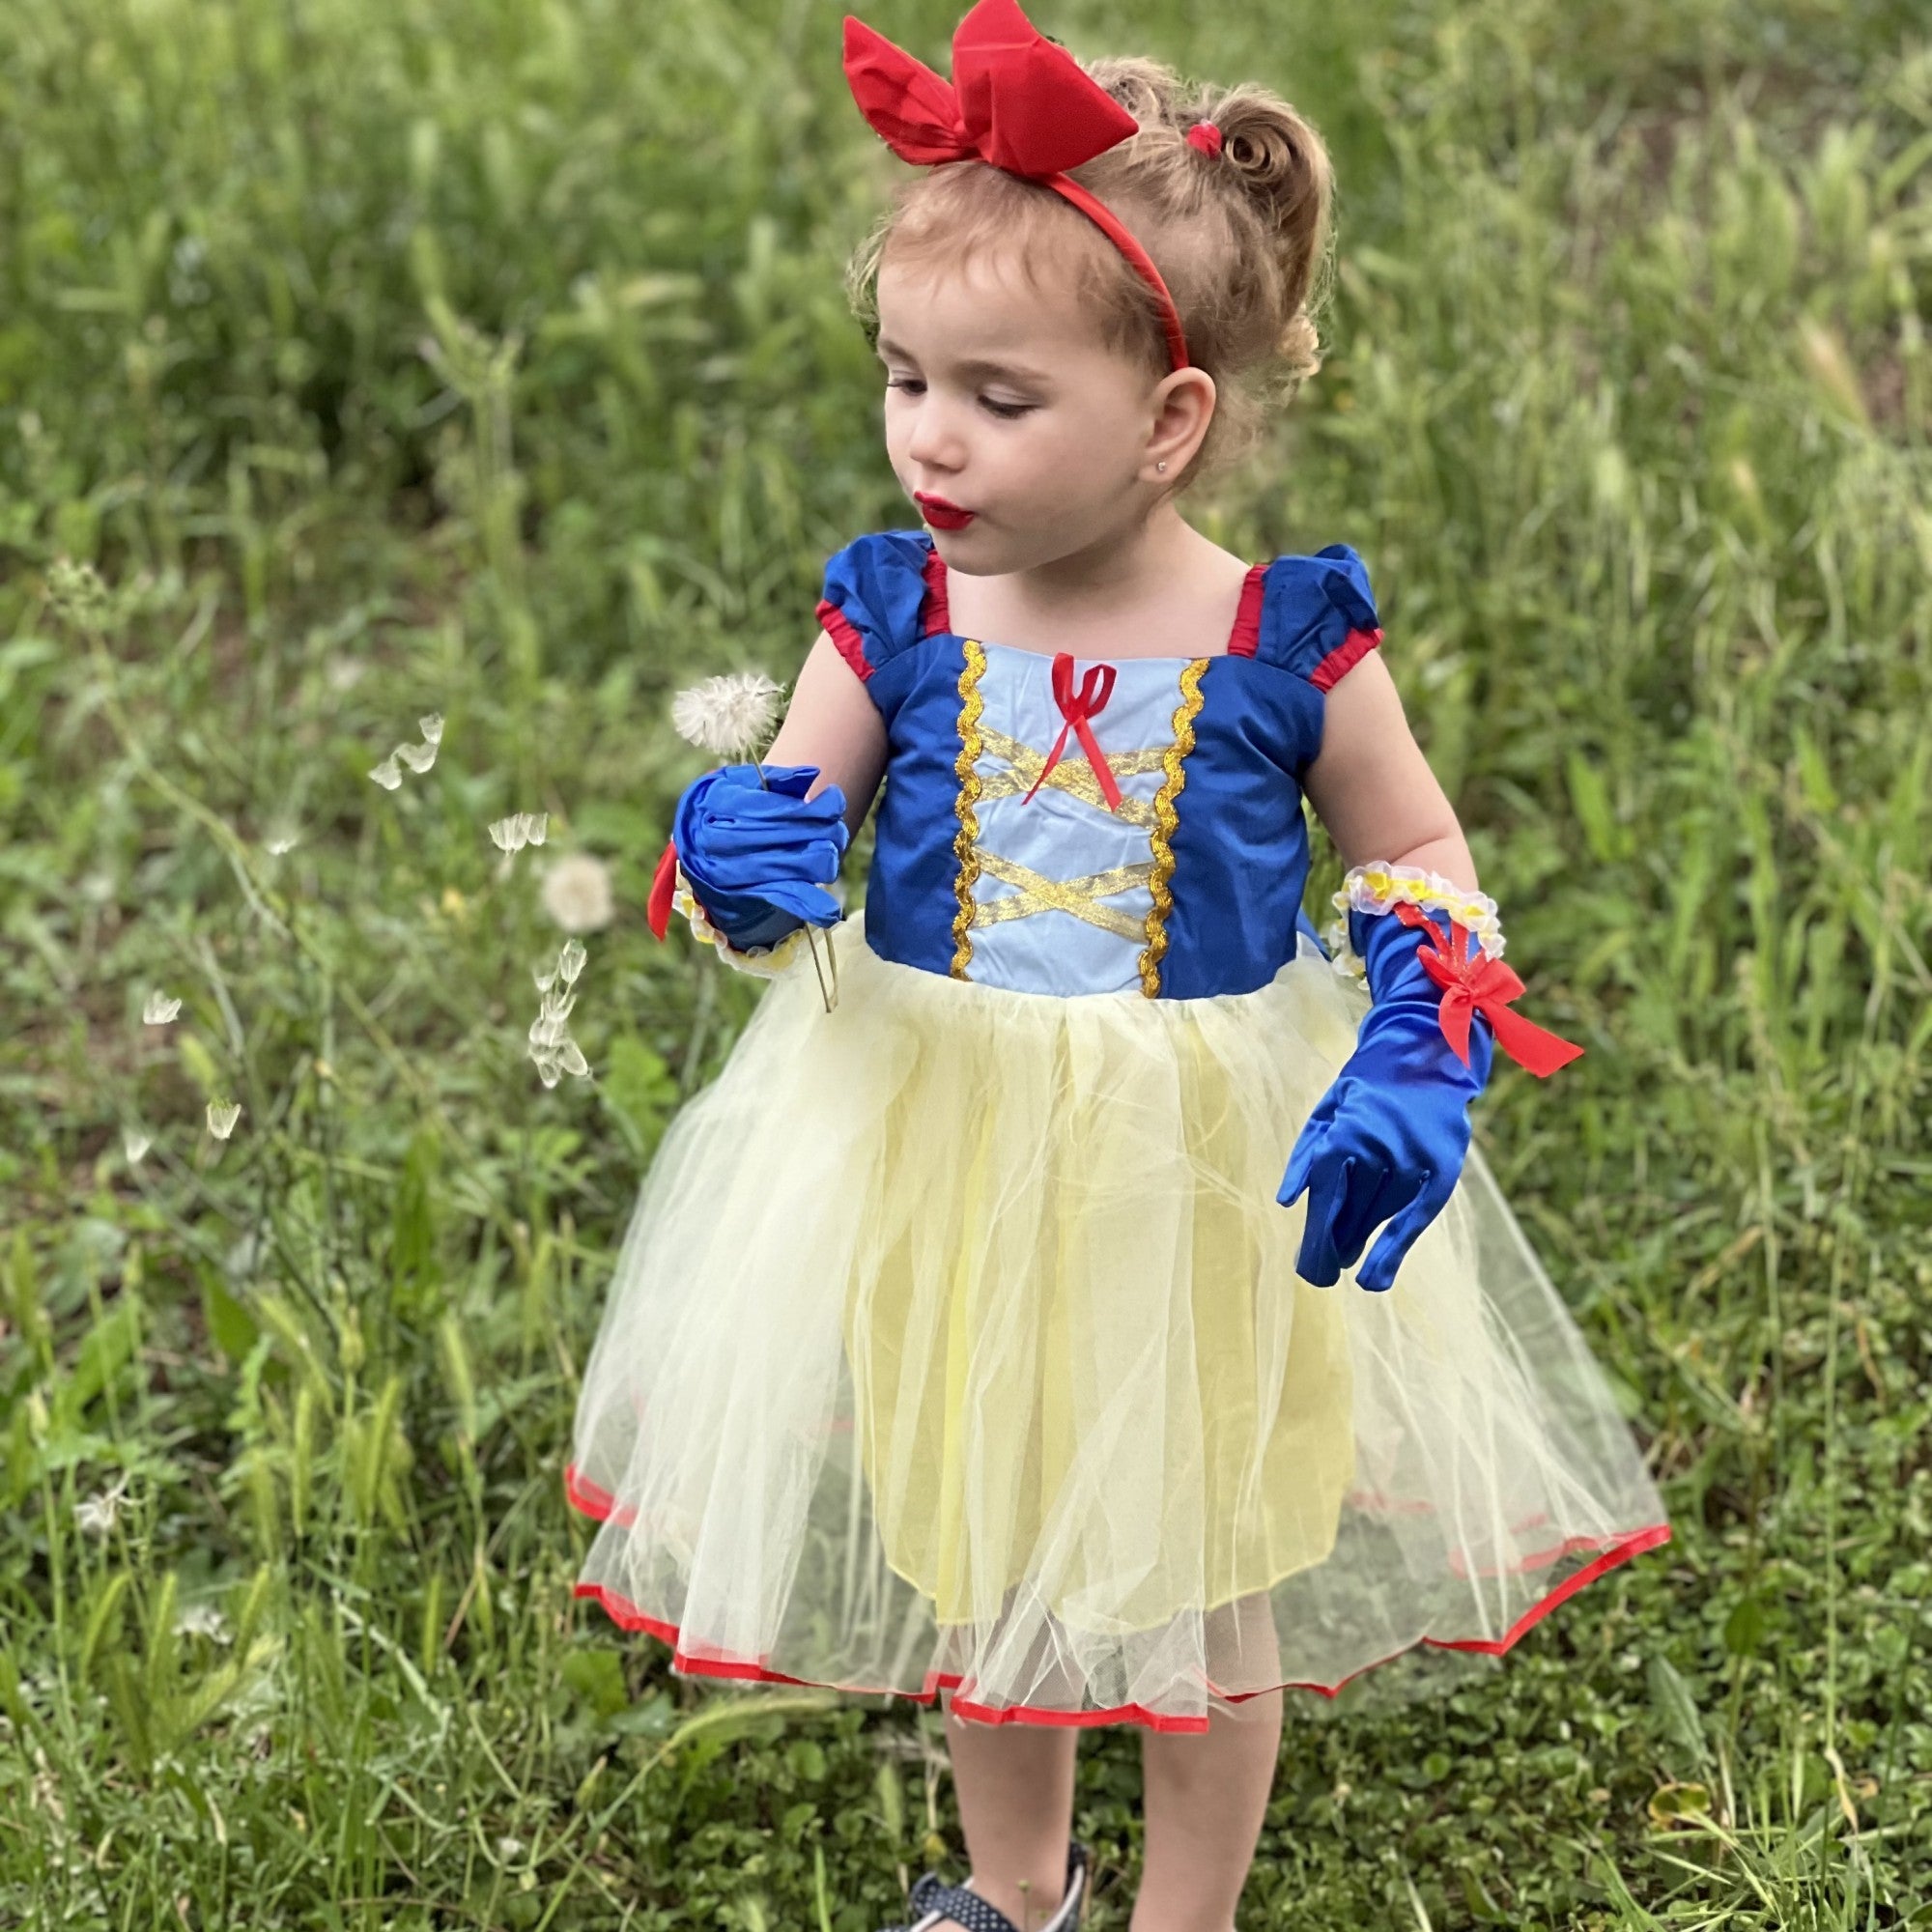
<point>1193,885</point>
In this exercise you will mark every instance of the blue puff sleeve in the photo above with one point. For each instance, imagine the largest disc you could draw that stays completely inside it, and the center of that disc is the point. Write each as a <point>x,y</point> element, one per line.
<point>1319,618</point>
<point>873,607</point>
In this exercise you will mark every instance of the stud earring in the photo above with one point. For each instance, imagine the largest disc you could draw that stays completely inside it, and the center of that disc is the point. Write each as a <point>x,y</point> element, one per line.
<point>1162,464</point>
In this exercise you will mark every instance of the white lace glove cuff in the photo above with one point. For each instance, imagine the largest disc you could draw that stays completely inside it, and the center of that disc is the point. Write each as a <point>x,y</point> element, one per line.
<point>1379,887</point>
<point>766,962</point>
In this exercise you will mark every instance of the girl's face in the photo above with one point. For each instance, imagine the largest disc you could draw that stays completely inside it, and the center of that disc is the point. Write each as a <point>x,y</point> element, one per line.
<point>1001,399</point>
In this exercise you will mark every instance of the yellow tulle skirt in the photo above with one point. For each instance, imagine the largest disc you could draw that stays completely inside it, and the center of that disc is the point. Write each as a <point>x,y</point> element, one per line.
<point>957,1341</point>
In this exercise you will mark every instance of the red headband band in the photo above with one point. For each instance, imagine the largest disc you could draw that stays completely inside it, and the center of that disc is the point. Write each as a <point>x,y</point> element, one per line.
<point>1016,100</point>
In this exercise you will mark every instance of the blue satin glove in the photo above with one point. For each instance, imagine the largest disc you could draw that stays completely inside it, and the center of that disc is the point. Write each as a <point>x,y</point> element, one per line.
<point>1388,1139</point>
<point>752,851</point>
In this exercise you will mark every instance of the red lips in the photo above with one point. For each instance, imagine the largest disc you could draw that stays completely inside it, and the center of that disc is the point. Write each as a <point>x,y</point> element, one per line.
<point>940,514</point>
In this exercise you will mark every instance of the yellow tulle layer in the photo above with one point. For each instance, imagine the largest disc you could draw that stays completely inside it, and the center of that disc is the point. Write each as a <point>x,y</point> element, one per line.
<point>956,1338</point>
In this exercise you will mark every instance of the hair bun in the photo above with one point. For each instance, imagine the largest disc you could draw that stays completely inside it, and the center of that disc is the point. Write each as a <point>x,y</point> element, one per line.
<point>1277,157</point>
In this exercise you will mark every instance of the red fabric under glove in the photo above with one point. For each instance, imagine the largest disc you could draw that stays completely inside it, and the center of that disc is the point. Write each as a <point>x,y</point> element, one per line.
<point>663,883</point>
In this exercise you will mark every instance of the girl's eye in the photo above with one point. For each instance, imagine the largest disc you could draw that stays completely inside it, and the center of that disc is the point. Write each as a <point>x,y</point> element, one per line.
<point>1008,411</point>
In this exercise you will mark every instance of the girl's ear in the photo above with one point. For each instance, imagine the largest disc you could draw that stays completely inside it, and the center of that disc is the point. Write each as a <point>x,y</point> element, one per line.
<point>1184,407</point>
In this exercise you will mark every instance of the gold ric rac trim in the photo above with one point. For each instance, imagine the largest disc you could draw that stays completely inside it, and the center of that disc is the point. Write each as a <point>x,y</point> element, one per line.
<point>1165,819</point>
<point>965,841</point>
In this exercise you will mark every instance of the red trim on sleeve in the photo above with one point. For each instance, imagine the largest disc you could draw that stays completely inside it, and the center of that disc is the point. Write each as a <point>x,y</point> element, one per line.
<point>1344,657</point>
<point>1247,635</point>
<point>937,607</point>
<point>843,633</point>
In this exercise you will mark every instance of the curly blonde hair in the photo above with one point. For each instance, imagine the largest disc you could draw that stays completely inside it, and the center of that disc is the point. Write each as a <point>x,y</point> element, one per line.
<point>1241,238</point>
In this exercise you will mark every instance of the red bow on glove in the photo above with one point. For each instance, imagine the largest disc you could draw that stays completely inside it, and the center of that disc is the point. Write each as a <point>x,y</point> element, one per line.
<point>1483,984</point>
<point>1077,707</point>
<point>1017,100</point>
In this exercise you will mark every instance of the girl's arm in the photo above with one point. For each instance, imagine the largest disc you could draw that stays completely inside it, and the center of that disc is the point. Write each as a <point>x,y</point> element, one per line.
<point>1371,787</point>
<point>832,724</point>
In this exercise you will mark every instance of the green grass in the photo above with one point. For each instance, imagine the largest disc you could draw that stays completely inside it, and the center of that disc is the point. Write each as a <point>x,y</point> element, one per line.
<point>490,359</point>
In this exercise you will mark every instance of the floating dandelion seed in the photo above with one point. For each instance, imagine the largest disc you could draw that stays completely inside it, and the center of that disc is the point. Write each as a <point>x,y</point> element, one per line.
<point>430,727</point>
<point>386,774</point>
<point>221,1118</point>
<point>203,1620</point>
<point>134,1144</point>
<point>159,1009</point>
<point>726,714</point>
<point>278,842</point>
<point>576,893</point>
<point>536,826</point>
<point>418,757</point>
<point>551,1045</point>
<point>508,835</point>
<point>96,1515</point>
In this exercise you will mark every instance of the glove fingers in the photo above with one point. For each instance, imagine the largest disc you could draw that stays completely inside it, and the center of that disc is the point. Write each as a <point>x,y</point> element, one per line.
<point>809,903</point>
<point>1379,1271</point>
<point>1319,1262</point>
<point>737,852</point>
<point>1369,1179</point>
<point>1301,1162</point>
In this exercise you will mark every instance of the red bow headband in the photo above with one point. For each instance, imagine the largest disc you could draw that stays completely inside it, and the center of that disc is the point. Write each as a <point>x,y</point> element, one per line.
<point>1017,100</point>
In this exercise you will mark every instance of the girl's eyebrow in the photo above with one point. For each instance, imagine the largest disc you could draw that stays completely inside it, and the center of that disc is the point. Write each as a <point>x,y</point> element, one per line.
<point>974,365</point>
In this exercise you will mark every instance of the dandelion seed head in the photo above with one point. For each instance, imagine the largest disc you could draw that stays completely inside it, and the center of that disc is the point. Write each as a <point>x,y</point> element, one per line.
<point>159,1009</point>
<point>221,1118</point>
<point>726,714</point>
<point>576,893</point>
<point>203,1620</point>
<point>96,1515</point>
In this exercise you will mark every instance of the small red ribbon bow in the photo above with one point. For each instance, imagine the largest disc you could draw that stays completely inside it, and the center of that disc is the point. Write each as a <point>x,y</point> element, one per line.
<point>1077,707</point>
<point>1204,136</point>
<point>1017,100</point>
<point>1483,984</point>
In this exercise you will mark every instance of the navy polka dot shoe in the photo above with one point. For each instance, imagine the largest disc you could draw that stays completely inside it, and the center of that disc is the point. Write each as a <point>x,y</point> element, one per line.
<point>941,1905</point>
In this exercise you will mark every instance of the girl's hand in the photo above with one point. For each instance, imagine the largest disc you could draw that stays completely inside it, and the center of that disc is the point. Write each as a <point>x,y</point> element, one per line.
<point>750,852</point>
<point>1388,1139</point>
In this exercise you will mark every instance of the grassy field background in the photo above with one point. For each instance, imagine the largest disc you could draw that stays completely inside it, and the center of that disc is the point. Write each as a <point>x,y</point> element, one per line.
<point>362,359</point>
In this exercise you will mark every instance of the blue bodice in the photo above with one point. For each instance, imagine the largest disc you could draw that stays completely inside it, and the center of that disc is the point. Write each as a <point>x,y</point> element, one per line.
<point>1184,877</point>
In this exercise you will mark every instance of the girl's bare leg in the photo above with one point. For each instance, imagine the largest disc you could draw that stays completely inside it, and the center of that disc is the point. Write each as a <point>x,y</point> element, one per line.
<point>1015,1787</point>
<point>1205,1795</point>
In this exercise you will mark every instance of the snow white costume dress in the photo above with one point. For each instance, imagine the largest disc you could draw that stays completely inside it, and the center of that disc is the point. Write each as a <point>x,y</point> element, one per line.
<point>958,1338</point>
<point>970,1333</point>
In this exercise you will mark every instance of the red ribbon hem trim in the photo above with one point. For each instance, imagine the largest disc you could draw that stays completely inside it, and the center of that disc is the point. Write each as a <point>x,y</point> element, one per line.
<point>599,1504</point>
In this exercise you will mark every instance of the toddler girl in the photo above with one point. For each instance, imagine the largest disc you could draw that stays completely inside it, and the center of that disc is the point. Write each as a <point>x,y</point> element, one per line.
<point>1018,1331</point>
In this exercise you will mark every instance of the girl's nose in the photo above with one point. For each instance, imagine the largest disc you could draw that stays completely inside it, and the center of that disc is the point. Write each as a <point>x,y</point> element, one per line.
<point>933,440</point>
